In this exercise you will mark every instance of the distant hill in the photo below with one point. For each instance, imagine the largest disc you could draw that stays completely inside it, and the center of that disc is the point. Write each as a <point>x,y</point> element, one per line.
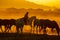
<point>21,4</point>
<point>22,11</point>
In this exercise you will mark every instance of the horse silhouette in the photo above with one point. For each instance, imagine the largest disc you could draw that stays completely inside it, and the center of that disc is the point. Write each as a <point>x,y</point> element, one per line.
<point>6,23</point>
<point>1,23</point>
<point>26,18</point>
<point>21,22</point>
<point>50,24</point>
<point>36,24</point>
<point>12,22</point>
<point>30,21</point>
<point>55,25</point>
<point>44,23</point>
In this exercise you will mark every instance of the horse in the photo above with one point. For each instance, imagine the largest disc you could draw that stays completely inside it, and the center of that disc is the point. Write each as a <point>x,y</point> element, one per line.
<point>55,25</point>
<point>11,22</point>
<point>50,24</point>
<point>6,24</point>
<point>44,23</point>
<point>1,23</point>
<point>20,24</point>
<point>30,21</point>
<point>37,24</point>
<point>26,18</point>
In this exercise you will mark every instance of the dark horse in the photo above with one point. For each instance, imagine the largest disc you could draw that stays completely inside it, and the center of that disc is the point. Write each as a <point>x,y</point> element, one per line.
<point>50,24</point>
<point>44,23</point>
<point>30,21</point>
<point>1,23</point>
<point>5,23</point>
<point>8,23</point>
<point>11,23</point>
<point>21,22</point>
<point>36,24</point>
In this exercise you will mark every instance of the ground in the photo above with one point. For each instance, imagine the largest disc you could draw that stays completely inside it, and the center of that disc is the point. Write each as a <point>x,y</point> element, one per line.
<point>27,36</point>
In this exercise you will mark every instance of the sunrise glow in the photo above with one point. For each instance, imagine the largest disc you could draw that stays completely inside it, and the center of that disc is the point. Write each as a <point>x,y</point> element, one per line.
<point>46,2</point>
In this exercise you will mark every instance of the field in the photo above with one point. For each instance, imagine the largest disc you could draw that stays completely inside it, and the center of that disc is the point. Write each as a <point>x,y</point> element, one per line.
<point>27,36</point>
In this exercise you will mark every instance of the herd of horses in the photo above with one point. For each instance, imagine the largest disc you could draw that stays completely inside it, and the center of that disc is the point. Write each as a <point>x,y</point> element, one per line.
<point>32,21</point>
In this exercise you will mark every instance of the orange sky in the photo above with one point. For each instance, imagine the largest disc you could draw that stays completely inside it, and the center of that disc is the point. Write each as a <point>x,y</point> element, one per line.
<point>28,3</point>
<point>51,3</point>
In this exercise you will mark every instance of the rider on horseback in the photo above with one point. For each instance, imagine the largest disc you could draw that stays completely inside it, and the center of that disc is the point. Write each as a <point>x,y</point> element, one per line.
<point>26,18</point>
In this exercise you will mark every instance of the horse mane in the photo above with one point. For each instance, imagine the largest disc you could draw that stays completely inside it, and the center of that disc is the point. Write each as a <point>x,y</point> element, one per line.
<point>33,17</point>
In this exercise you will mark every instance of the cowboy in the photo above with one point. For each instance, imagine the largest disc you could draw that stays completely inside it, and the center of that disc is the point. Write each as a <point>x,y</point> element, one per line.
<point>26,18</point>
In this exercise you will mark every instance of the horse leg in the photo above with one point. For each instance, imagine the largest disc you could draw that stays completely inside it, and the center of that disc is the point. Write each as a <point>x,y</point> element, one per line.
<point>37,29</point>
<point>1,28</point>
<point>34,27</point>
<point>10,27</point>
<point>5,28</point>
<point>44,30</point>
<point>17,28</point>
<point>52,29</point>
<point>40,28</point>
<point>57,29</point>
<point>31,28</point>
<point>21,30</point>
